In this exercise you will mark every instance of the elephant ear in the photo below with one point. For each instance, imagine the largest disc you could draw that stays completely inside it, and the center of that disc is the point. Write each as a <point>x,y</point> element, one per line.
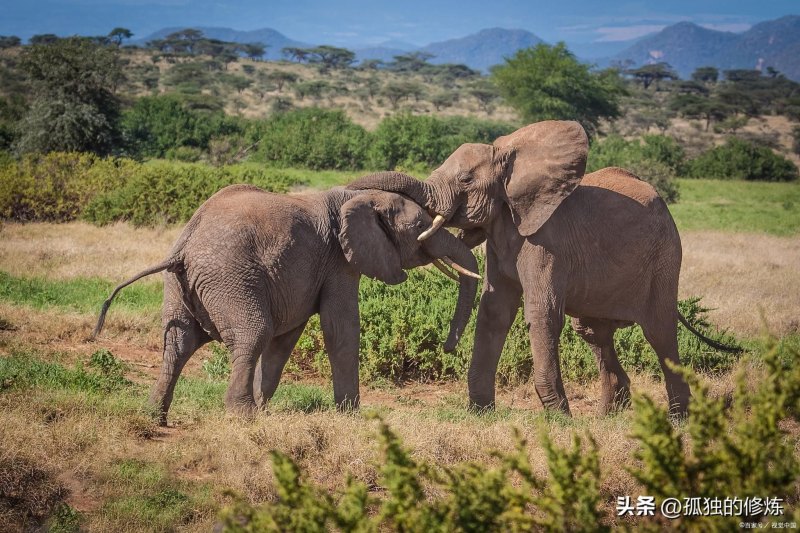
<point>549,160</point>
<point>366,241</point>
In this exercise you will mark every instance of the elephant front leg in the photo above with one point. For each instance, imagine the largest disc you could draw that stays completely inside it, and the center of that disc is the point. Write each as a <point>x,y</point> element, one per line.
<point>340,329</point>
<point>273,360</point>
<point>496,312</point>
<point>544,327</point>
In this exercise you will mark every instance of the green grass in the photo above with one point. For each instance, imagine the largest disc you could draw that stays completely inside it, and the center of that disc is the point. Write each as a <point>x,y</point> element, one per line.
<point>301,398</point>
<point>85,295</point>
<point>738,206</point>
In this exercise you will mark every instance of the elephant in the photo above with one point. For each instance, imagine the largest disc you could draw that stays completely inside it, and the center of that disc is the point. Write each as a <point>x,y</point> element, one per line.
<point>601,248</point>
<point>251,267</point>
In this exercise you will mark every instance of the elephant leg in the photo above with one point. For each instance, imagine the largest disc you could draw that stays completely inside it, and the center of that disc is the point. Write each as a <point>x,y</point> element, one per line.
<point>273,359</point>
<point>340,324</point>
<point>662,334</point>
<point>496,312</point>
<point>544,328</point>
<point>182,337</point>
<point>614,382</point>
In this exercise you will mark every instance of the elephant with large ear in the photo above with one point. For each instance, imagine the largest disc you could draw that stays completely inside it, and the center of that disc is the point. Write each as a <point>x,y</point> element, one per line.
<point>251,267</point>
<point>602,248</point>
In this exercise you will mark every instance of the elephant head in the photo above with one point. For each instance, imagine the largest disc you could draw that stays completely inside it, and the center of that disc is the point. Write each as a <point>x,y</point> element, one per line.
<point>380,237</point>
<point>531,170</point>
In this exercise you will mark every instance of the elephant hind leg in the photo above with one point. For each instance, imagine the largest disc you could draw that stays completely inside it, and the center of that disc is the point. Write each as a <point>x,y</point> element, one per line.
<point>182,337</point>
<point>273,359</point>
<point>662,334</point>
<point>614,382</point>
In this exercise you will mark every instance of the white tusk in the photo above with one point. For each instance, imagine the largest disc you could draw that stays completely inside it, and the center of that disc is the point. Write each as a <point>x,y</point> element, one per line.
<point>446,271</point>
<point>438,222</point>
<point>461,270</point>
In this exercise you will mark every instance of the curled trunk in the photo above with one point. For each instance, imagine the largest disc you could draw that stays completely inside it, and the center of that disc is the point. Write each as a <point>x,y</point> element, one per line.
<point>444,244</point>
<point>397,182</point>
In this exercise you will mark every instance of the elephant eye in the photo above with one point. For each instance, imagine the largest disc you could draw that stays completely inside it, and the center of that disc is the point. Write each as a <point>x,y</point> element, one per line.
<point>466,178</point>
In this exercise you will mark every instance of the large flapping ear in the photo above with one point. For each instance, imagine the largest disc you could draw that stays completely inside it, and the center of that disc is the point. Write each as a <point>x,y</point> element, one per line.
<point>547,161</point>
<point>365,240</point>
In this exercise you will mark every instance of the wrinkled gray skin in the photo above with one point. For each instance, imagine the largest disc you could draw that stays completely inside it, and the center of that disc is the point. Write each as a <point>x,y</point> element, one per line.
<point>606,252</point>
<point>251,267</point>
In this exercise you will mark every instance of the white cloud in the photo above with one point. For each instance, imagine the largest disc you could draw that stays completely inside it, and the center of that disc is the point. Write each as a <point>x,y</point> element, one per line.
<point>735,27</point>
<point>625,33</point>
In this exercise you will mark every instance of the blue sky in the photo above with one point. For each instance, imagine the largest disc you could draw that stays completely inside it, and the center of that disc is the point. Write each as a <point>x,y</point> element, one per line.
<point>365,22</point>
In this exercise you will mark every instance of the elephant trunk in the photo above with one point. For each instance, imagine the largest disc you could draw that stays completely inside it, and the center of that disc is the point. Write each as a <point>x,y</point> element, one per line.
<point>440,201</point>
<point>396,182</point>
<point>444,245</point>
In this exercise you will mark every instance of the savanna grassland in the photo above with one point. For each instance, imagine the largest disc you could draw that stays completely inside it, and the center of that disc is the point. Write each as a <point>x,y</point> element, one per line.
<point>84,450</point>
<point>144,136</point>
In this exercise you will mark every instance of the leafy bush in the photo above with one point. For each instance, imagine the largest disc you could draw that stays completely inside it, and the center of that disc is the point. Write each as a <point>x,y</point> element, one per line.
<point>56,186</point>
<point>469,496</point>
<point>403,328</point>
<point>657,159</point>
<point>218,367</point>
<point>737,448</point>
<point>738,159</point>
<point>162,192</point>
<point>159,126</point>
<point>407,140</point>
<point>311,138</point>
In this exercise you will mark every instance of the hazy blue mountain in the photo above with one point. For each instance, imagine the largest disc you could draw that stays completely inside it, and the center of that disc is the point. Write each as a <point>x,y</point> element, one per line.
<point>686,46</point>
<point>483,49</point>
<point>274,40</point>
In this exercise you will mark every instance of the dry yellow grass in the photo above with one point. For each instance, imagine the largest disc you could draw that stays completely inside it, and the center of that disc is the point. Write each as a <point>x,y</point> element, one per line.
<point>744,276</point>
<point>77,249</point>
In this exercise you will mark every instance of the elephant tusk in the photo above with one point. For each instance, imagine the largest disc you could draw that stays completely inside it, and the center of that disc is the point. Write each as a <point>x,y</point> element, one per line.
<point>438,264</point>
<point>461,270</point>
<point>438,222</point>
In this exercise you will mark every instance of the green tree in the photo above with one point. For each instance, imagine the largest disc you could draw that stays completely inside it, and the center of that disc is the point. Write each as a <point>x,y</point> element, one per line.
<point>708,109</point>
<point>281,78</point>
<point>254,50</point>
<point>119,34</point>
<point>548,82</point>
<point>485,92</point>
<point>296,54</point>
<point>331,57</point>
<point>706,74</point>
<point>74,107</point>
<point>43,38</point>
<point>649,74</point>
<point>9,41</point>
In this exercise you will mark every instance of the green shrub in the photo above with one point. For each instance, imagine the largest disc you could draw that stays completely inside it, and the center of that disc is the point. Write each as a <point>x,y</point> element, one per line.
<point>742,160</point>
<point>56,186</point>
<point>657,159</point>
<point>468,496</point>
<point>737,448</point>
<point>218,367</point>
<point>311,138</point>
<point>406,140</point>
<point>168,126</point>
<point>162,192</point>
<point>24,370</point>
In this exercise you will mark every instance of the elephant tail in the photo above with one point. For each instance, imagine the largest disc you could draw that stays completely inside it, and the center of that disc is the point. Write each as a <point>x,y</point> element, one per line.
<point>172,264</point>
<point>711,342</point>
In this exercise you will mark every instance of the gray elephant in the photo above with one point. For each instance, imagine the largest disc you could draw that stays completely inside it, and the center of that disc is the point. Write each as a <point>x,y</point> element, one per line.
<point>602,248</point>
<point>251,267</point>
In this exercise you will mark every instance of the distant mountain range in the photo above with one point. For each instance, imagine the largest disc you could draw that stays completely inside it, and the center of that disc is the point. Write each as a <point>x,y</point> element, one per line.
<point>685,46</point>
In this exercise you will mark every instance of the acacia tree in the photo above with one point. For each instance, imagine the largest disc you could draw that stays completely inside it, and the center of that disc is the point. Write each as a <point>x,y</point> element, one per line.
<point>74,107</point>
<point>649,74</point>
<point>547,82</point>
<point>119,34</point>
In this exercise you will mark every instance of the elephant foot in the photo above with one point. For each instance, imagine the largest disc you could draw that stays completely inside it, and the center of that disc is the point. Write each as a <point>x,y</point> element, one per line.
<point>616,395</point>
<point>244,408</point>
<point>347,405</point>
<point>478,404</point>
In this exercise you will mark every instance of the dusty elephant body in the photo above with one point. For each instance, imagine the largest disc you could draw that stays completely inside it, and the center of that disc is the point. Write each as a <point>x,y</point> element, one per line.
<point>251,267</point>
<point>602,248</point>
